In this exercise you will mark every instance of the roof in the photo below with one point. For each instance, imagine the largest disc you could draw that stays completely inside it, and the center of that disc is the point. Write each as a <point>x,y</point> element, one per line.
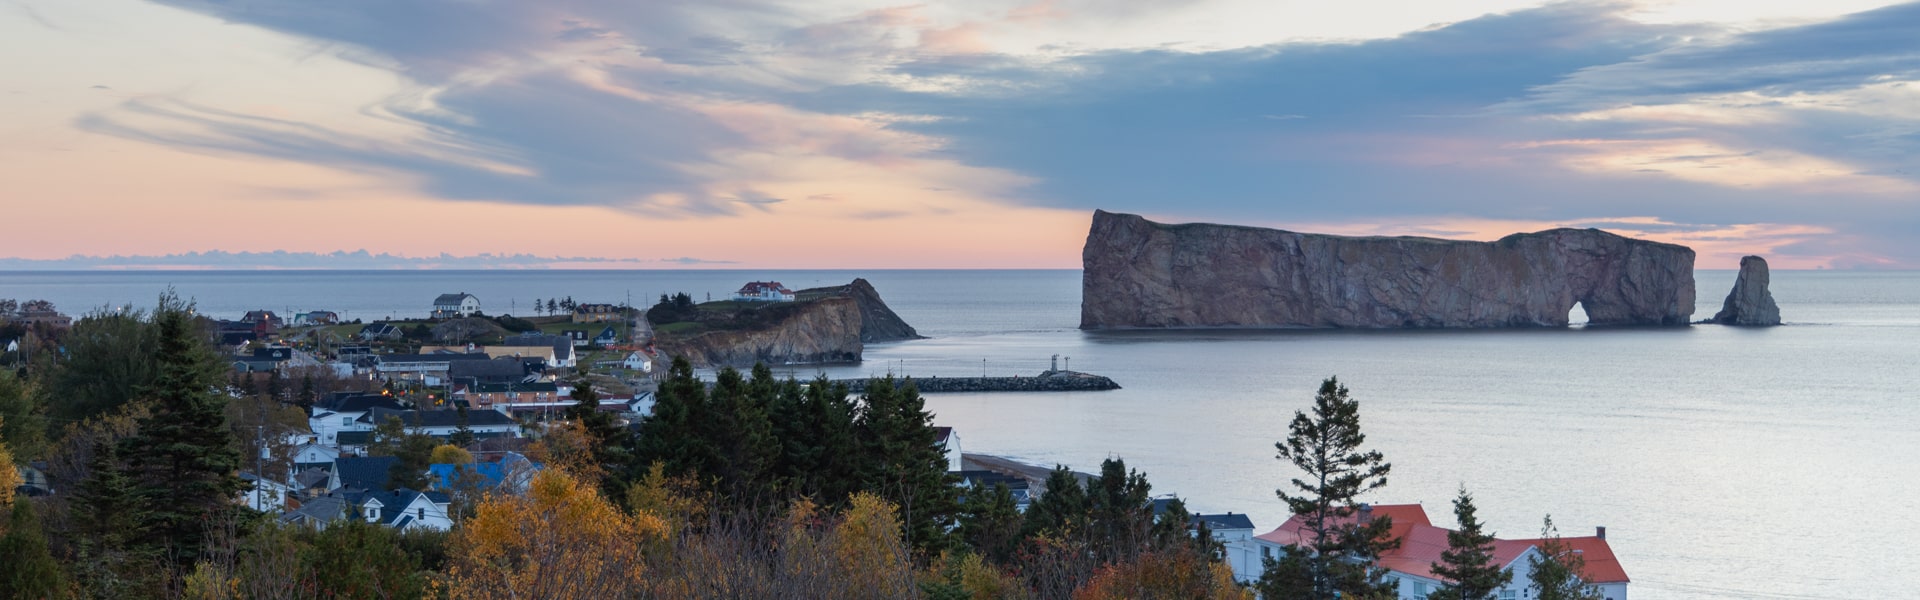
<point>562,345</point>
<point>504,368</point>
<point>1226,521</point>
<point>940,435</point>
<point>322,509</point>
<point>353,438</point>
<point>1421,543</point>
<point>438,418</point>
<point>501,388</point>
<point>358,403</point>
<point>754,288</point>
<point>364,472</point>
<point>453,299</point>
<point>1601,566</point>
<point>413,358</point>
<point>276,353</point>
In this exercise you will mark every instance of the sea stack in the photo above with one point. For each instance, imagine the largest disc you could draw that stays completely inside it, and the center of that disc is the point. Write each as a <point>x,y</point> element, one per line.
<point>1141,274</point>
<point>1750,303</point>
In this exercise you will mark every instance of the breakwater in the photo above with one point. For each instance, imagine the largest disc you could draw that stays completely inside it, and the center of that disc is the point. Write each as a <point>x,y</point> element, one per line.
<point>1050,381</point>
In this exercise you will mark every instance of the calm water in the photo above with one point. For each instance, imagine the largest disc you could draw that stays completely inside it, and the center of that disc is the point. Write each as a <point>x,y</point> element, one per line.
<point>1726,463</point>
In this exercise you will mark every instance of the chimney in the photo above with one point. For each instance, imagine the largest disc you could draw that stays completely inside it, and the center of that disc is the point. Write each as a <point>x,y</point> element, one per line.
<point>1600,532</point>
<point>1366,513</point>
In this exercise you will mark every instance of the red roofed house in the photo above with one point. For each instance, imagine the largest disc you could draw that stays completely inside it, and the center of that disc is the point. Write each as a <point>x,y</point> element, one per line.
<point>1421,544</point>
<point>764,291</point>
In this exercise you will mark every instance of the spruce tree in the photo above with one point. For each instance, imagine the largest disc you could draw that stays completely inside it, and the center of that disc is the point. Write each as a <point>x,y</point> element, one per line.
<point>1555,574</point>
<point>1337,555</point>
<point>673,434</point>
<point>1466,569</point>
<point>819,454</point>
<point>742,434</point>
<point>462,435</point>
<point>28,569</point>
<point>990,523</point>
<point>1120,504</point>
<point>904,463</point>
<point>1062,510</point>
<point>184,461</point>
<point>106,515</point>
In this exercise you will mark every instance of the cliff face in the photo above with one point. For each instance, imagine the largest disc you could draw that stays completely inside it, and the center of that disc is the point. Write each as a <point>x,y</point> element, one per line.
<point>819,331</point>
<point>1141,274</point>
<point>1750,302</point>
<point>878,323</point>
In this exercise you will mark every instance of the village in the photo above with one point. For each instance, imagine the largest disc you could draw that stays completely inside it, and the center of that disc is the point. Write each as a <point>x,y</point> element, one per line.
<point>491,386</point>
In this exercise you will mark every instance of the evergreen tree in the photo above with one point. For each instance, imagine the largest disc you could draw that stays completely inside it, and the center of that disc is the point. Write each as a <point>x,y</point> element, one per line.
<point>553,307</point>
<point>672,435</point>
<point>28,571</point>
<point>1466,568</point>
<point>820,451</point>
<point>185,460</point>
<point>23,422</point>
<point>307,395</point>
<point>414,451</point>
<point>1120,502</point>
<point>106,360</point>
<point>106,515</point>
<point>1555,574</point>
<point>462,435</point>
<point>742,434</point>
<point>1061,511</point>
<point>1338,554</point>
<point>275,390</point>
<point>990,523</point>
<point>903,462</point>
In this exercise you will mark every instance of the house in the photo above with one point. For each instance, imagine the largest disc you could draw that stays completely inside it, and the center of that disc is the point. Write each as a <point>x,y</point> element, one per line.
<point>400,509</point>
<point>43,315</point>
<point>1234,533</point>
<point>1421,544</point>
<point>641,405</point>
<point>443,423</point>
<point>563,345</point>
<point>545,352</point>
<point>596,313</point>
<point>265,494</point>
<point>487,472</point>
<point>505,369</point>
<point>1019,487</point>
<point>313,455</point>
<point>317,317</point>
<point>764,291</point>
<point>361,473</point>
<point>638,360</point>
<point>579,337</point>
<point>341,413</point>
<point>507,396</point>
<point>34,480</point>
<point>261,316</point>
<point>607,337</point>
<point>379,331</point>
<point>426,367</point>
<point>949,442</point>
<point>264,360</point>
<point>448,306</point>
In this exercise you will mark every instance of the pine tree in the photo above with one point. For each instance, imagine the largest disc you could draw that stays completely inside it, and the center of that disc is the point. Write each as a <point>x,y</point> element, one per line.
<point>462,435</point>
<point>1466,568</point>
<point>185,460</point>
<point>1120,504</point>
<point>1338,554</point>
<point>307,394</point>
<point>903,462</point>
<point>1555,574</point>
<point>819,453</point>
<point>28,571</point>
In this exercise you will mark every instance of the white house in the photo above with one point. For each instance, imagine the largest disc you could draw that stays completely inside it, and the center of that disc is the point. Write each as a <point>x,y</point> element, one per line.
<point>443,423</point>
<point>266,495</point>
<point>1234,532</point>
<point>455,305</point>
<point>764,291</point>
<point>949,441</point>
<point>638,361</point>
<point>343,414</point>
<point>314,454</point>
<point>1421,544</point>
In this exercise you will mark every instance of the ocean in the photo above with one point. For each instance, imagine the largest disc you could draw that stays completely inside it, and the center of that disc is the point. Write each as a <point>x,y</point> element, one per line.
<point>1774,463</point>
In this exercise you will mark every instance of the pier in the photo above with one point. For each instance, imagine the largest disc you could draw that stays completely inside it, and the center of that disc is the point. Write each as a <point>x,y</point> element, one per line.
<point>1047,381</point>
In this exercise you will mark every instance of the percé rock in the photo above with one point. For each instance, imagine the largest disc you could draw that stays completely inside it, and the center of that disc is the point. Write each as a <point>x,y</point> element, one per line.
<point>1750,303</point>
<point>878,323</point>
<point>826,330</point>
<point>1142,274</point>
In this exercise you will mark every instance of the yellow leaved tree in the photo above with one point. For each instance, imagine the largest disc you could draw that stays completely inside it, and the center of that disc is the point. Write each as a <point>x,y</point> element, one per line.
<point>559,540</point>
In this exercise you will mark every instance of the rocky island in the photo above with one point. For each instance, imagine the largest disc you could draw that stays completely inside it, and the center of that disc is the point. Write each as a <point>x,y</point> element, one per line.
<point>1142,274</point>
<point>820,325</point>
<point>1750,303</point>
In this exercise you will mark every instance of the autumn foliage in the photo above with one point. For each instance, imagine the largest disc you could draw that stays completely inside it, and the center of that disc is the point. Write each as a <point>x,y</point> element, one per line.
<point>559,540</point>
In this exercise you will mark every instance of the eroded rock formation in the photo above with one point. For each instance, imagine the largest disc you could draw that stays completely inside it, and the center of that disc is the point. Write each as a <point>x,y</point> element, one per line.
<point>1141,274</point>
<point>878,323</point>
<point>1750,303</point>
<point>824,325</point>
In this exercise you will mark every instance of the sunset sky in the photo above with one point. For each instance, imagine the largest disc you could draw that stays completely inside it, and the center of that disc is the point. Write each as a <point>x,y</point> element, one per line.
<point>978,133</point>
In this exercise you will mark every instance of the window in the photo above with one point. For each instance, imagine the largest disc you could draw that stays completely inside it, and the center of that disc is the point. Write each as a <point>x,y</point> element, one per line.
<point>373,514</point>
<point>422,512</point>
<point>1509,595</point>
<point>346,421</point>
<point>1420,589</point>
<point>1266,552</point>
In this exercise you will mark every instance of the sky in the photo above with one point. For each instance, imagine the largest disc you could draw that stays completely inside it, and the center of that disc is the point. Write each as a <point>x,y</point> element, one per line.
<point>933,134</point>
